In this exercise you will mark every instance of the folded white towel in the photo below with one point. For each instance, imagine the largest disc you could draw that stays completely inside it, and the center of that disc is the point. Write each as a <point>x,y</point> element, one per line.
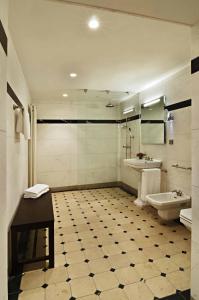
<point>35,196</point>
<point>18,120</point>
<point>26,125</point>
<point>35,190</point>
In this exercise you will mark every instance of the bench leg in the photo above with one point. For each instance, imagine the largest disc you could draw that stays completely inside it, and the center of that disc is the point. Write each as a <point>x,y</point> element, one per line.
<point>14,251</point>
<point>51,246</point>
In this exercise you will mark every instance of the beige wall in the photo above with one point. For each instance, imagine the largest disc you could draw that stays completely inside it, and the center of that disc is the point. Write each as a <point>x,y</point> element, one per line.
<point>195,167</point>
<point>17,146</point>
<point>176,88</point>
<point>13,150</point>
<point>3,221</point>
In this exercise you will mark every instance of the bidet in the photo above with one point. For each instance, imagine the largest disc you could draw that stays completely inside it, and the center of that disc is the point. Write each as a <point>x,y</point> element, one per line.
<point>169,204</point>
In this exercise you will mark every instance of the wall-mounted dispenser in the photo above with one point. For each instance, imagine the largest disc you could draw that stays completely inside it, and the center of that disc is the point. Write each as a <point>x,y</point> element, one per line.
<point>170,122</point>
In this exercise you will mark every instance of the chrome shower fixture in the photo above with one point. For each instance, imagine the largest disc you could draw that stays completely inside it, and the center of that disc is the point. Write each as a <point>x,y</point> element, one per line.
<point>110,105</point>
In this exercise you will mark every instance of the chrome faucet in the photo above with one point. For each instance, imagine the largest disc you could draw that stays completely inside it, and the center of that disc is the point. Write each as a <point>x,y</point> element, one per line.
<point>148,158</point>
<point>178,192</point>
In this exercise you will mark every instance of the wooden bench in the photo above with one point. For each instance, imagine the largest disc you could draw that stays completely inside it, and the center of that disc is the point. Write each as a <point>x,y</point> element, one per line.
<point>32,214</point>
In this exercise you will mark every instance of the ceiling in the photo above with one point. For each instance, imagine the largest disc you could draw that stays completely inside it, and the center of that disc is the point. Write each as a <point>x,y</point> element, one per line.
<point>84,95</point>
<point>179,11</point>
<point>126,54</point>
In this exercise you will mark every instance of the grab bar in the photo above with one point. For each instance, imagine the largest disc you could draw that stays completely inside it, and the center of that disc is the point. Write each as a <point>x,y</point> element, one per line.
<point>181,167</point>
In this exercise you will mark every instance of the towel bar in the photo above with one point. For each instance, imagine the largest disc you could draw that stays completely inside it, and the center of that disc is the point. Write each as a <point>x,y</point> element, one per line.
<point>16,106</point>
<point>181,167</point>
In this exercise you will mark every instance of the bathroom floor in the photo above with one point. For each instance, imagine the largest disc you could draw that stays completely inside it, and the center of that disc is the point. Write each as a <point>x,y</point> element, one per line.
<point>107,248</point>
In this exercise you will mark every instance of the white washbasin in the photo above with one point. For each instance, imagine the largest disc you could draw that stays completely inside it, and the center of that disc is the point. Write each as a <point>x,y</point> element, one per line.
<point>137,163</point>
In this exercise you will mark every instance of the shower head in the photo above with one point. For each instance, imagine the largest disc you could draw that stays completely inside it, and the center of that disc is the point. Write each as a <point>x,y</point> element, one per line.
<point>110,105</point>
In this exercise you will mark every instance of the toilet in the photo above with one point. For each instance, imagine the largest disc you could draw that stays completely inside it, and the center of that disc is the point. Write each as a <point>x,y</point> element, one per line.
<point>186,217</point>
<point>169,204</point>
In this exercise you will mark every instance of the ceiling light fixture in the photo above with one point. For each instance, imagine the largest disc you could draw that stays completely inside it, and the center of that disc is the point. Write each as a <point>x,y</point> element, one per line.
<point>65,95</point>
<point>73,75</point>
<point>93,23</point>
<point>149,103</point>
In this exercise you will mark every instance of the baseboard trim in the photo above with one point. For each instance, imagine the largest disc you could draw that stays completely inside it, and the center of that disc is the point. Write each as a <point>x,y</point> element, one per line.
<point>127,188</point>
<point>85,187</point>
<point>119,184</point>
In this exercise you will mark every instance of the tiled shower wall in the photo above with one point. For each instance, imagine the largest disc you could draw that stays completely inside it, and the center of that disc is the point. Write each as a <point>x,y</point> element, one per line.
<point>177,88</point>
<point>77,154</point>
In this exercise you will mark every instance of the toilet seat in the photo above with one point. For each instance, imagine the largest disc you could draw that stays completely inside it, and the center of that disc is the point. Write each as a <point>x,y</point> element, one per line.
<point>186,214</point>
<point>186,217</point>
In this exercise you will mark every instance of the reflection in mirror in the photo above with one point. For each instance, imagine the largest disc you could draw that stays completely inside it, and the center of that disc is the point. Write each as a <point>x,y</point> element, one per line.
<point>153,121</point>
<point>131,107</point>
<point>130,127</point>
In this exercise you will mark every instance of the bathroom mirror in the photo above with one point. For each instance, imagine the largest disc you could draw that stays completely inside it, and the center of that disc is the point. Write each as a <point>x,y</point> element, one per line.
<point>153,121</point>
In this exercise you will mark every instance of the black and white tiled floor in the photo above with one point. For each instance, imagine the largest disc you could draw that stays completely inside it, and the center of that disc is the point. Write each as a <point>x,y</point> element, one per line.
<point>107,248</point>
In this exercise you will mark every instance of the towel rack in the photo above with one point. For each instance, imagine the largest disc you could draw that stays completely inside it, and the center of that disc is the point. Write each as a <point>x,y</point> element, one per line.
<point>16,106</point>
<point>14,97</point>
<point>181,167</point>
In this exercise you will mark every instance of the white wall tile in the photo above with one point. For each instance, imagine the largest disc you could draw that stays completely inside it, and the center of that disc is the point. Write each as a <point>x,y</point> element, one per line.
<point>4,13</point>
<point>3,196</point>
<point>3,84</point>
<point>195,160</point>
<point>195,244</point>
<point>77,153</point>
<point>195,167</point>
<point>17,172</point>
<point>17,147</point>
<point>195,41</point>
<point>195,100</point>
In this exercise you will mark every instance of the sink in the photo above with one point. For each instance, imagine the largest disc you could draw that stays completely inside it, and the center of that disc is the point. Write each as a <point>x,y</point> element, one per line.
<point>137,163</point>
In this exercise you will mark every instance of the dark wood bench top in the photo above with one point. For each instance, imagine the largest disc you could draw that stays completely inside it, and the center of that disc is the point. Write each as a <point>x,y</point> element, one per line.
<point>34,211</point>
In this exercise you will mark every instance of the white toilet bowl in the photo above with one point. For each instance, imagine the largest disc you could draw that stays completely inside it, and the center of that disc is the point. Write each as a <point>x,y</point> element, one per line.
<point>168,204</point>
<point>186,217</point>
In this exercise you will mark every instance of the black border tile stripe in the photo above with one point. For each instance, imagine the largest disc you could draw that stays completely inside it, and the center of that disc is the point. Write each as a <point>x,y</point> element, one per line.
<point>3,38</point>
<point>178,105</point>
<point>14,97</point>
<point>133,118</point>
<point>195,65</point>
<point>66,121</point>
<point>171,107</point>
<point>152,121</point>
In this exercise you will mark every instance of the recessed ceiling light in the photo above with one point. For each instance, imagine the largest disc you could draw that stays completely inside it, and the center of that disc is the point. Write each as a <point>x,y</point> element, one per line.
<point>73,75</point>
<point>93,23</point>
<point>65,95</point>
